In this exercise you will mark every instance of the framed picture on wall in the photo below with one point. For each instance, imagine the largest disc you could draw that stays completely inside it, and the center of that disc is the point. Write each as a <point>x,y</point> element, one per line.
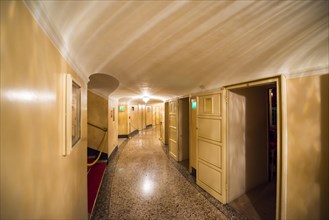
<point>72,114</point>
<point>76,113</point>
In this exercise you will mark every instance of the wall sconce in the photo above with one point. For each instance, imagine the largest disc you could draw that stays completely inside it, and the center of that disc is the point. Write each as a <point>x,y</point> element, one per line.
<point>146,99</point>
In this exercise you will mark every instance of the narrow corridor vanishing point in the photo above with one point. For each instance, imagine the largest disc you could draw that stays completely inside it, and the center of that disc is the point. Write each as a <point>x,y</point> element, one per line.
<point>142,183</point>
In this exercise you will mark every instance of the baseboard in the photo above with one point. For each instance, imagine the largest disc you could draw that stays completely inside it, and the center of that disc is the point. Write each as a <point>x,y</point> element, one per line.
<point>193,173</point>
<point>132,134</point>
<point>115,150</point>
<point>91,151</point>
<point>123,136</point>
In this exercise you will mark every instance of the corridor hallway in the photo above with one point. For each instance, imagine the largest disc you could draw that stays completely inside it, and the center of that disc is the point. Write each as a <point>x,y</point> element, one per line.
<point>141,182</point>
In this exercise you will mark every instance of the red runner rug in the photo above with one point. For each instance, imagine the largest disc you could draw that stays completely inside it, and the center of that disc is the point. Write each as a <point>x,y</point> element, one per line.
<point>95,176</point>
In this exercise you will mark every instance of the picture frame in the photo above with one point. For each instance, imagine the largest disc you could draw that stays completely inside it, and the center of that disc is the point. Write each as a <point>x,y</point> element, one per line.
<point>72,130</point>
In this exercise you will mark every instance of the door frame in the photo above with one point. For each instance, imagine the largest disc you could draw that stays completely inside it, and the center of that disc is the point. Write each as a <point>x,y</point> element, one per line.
<point>281,181</point>
<point>175,113</point>
<point>166,122</point>
<point>192,135</point>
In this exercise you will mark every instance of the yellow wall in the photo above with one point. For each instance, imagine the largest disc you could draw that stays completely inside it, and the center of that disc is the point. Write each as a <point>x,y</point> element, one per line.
<point>97,115</point>
<point>113,125</point>
<point>37,182</point>
<point>307,112</point>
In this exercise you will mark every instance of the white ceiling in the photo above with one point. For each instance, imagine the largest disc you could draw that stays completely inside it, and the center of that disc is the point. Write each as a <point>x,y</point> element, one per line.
<point>169,49</point>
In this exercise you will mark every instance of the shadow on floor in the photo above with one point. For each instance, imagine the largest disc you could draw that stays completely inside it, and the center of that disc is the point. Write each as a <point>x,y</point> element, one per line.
<point>259,203</point>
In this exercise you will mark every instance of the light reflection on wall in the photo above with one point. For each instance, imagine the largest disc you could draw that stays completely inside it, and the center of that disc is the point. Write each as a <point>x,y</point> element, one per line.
<point>29,96</point>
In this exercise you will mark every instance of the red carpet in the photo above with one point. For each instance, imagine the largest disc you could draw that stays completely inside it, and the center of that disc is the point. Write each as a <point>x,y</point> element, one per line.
<point>95,176</point>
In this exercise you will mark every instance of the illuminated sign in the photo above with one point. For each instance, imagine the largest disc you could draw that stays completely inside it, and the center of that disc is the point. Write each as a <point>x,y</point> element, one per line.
<point>193,101</point>
<point>121,108</point>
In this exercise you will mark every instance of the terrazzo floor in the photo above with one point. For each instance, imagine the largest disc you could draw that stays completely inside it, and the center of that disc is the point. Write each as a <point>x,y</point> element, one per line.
<point>142,182</point>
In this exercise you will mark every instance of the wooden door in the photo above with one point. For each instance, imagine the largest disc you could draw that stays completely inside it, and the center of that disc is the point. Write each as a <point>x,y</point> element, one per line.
<point>173,129</point>
<point>211,145</point>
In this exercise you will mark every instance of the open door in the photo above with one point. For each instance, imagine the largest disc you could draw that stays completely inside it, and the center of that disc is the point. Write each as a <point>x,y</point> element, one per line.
<point>211,144</point>
<point>253,148</point>
<point>173,129</point>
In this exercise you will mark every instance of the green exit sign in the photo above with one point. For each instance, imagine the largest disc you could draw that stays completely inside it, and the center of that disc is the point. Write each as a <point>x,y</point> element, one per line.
<point>193,104</point>
<point>121,108</point>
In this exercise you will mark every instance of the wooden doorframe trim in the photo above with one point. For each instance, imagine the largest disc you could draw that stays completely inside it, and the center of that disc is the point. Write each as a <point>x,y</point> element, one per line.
<point>190,133</point>
<point>282,153</point>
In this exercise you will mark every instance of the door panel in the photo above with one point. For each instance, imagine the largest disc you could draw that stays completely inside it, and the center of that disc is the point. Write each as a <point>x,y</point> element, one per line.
<point>210,128</point>
<point>211,145</point>
<point>172,120</point>
<point>173,129</point>
<point>210,105</point>
<point>212,178</point>
<point>210,152</point>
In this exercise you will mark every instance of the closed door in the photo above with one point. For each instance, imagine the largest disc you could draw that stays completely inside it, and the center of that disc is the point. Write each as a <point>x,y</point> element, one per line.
<point>211,145</point>
<point>173,129</point>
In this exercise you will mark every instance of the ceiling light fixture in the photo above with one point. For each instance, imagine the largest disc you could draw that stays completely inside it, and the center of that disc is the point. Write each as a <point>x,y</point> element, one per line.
<point>146,99</point>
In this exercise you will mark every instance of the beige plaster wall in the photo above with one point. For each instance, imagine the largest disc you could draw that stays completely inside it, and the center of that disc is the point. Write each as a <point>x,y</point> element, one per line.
<point>307,180</point>
<point>37,182</point>
<point>113,125</point>
<point>97,115</point>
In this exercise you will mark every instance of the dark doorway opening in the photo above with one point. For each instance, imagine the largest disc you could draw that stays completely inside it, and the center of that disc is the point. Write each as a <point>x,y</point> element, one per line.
<point>252,146</point>
<point>183,132</point>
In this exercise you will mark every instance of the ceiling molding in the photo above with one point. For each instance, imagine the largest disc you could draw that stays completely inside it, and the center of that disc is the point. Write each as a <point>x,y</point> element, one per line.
<point>309,72</point>
<point>98,94</point>
<point>40,15</point>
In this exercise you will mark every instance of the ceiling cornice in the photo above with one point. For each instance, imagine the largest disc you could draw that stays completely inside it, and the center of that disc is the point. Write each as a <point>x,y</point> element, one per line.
<point>98,93</point>
<point>39,13</point>
<point>309,72</point>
